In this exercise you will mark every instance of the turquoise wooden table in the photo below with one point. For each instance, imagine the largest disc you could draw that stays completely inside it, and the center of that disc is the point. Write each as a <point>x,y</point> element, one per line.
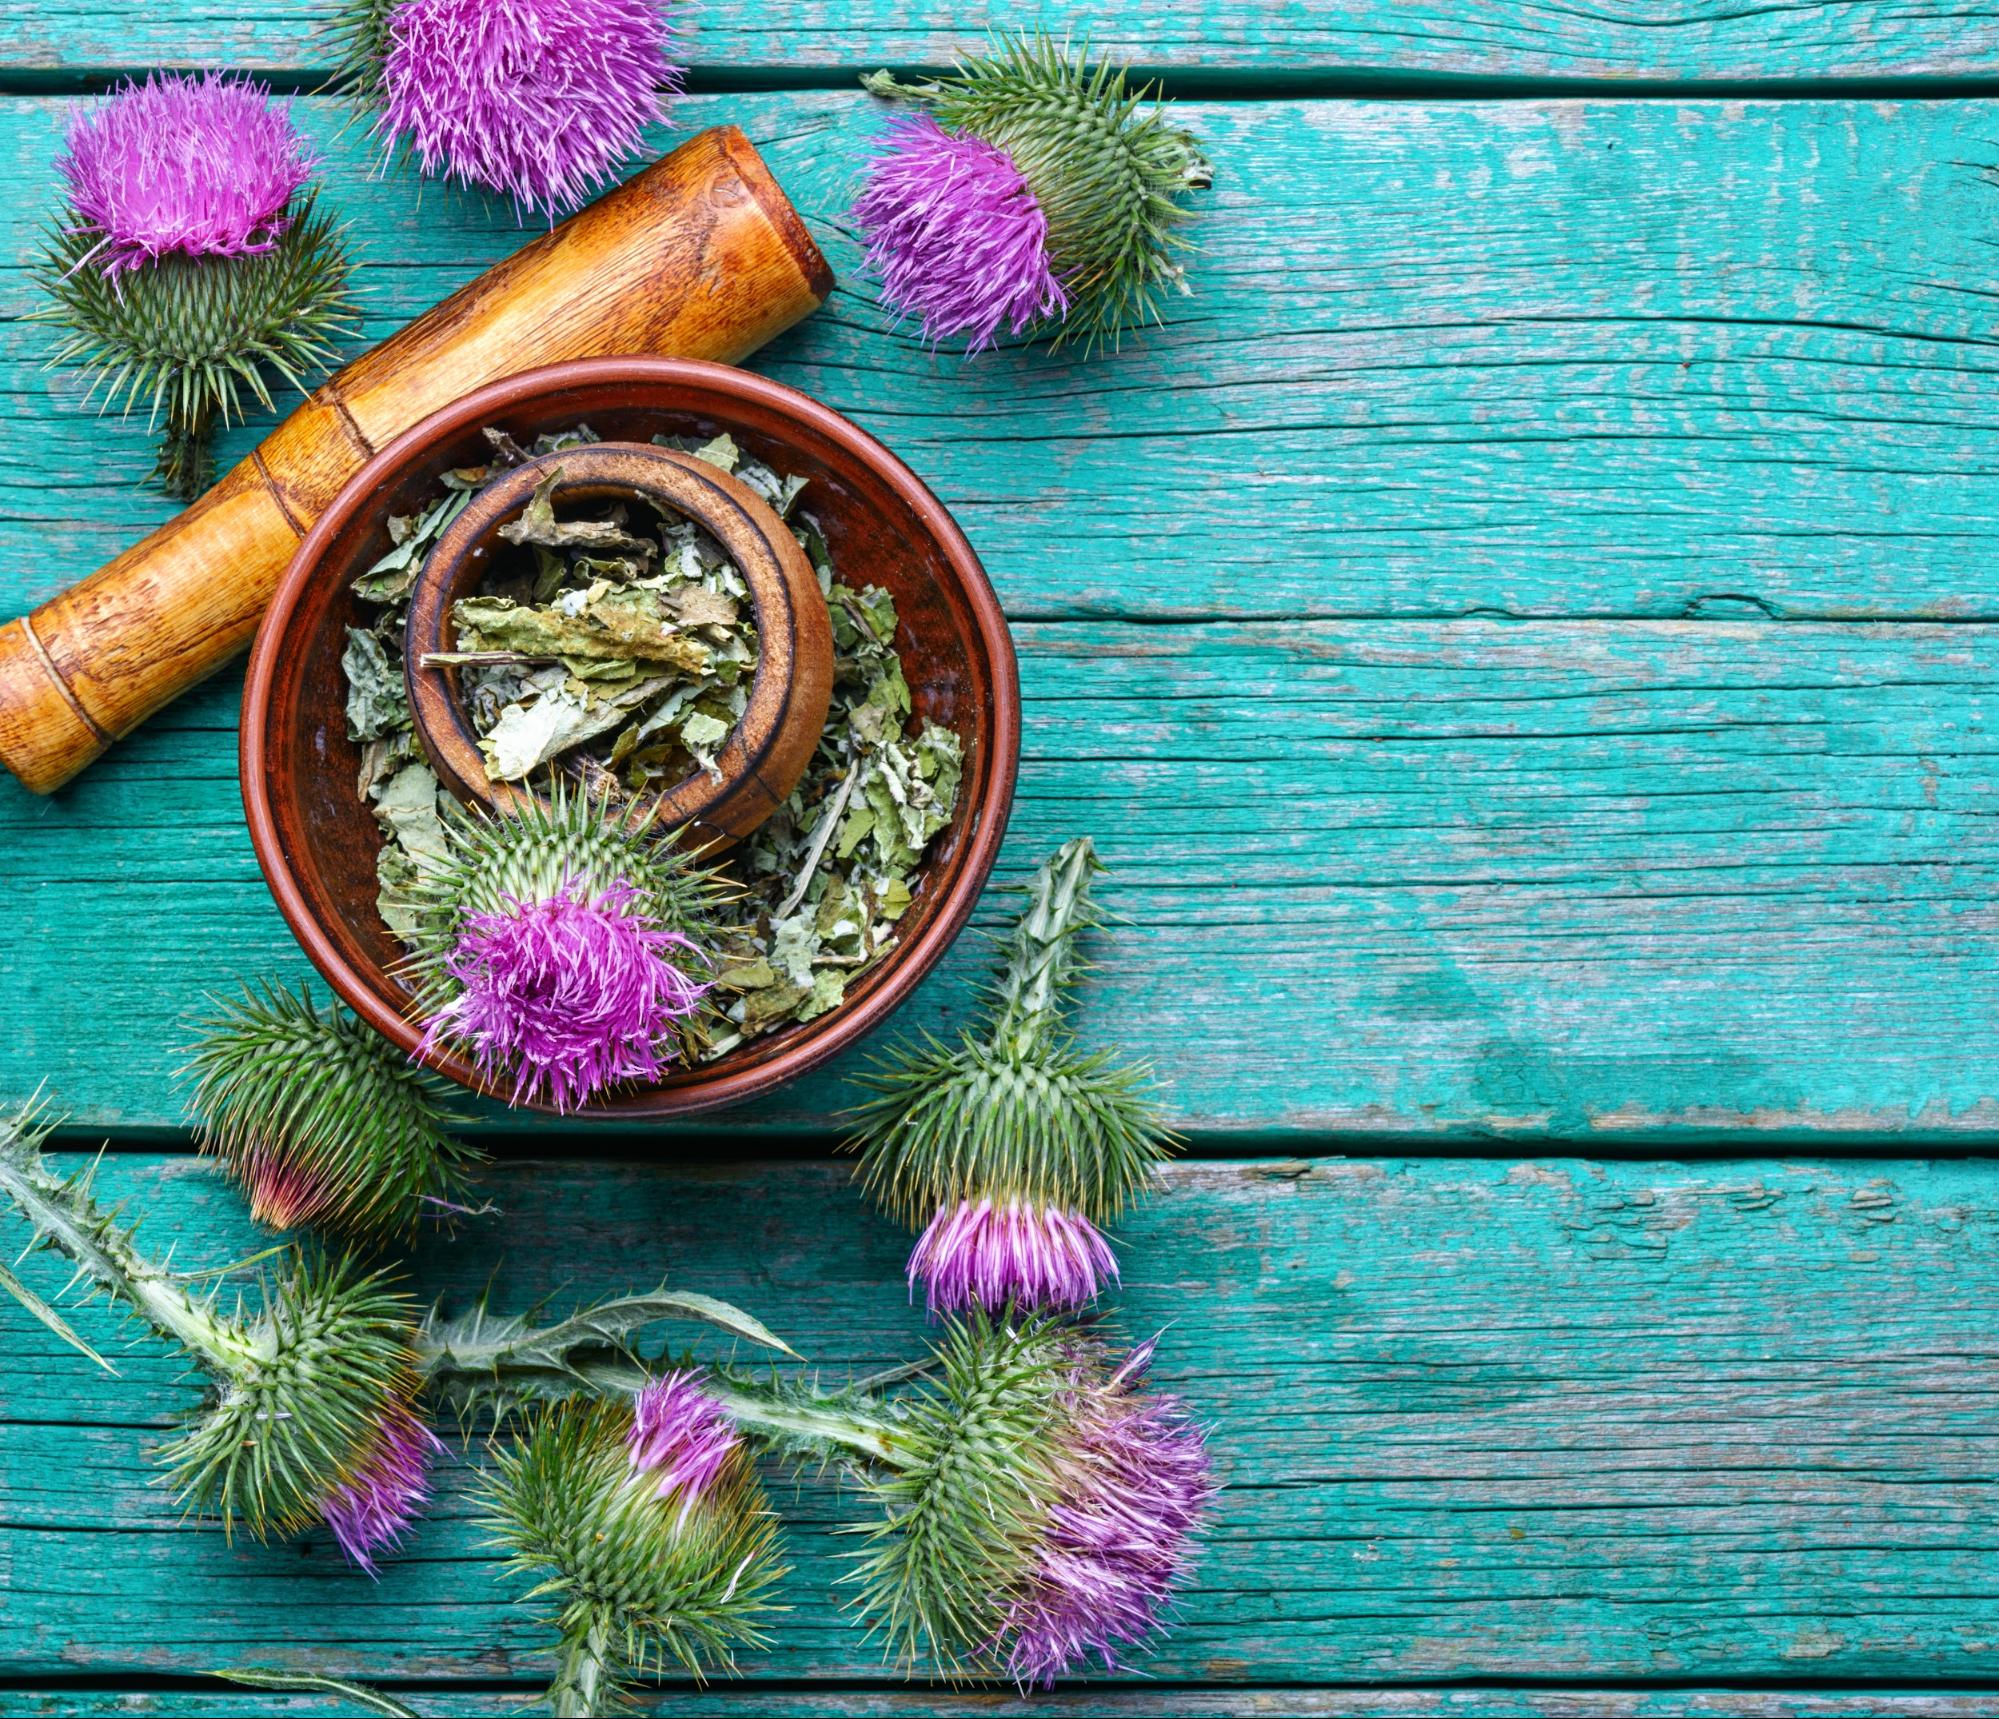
<point>1523,633</point>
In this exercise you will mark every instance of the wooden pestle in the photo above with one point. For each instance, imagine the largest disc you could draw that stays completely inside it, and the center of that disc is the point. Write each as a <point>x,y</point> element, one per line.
<point>699,256</point>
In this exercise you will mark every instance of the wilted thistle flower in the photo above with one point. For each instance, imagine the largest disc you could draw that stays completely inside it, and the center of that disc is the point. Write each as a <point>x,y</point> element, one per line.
<point>654,1541</point>
<point>1012,1145</point>
<point>561,947</point>
<point>187,263</point>
<point>537,99</point>
<point>310,1414</point>
<point>1045,1510</point>
<point>320,1121</point>
<point>1038,193</point>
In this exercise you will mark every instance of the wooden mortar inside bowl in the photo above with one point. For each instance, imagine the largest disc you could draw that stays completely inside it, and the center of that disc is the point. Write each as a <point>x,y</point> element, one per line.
<point>760,763</point>
<point>317,842</point>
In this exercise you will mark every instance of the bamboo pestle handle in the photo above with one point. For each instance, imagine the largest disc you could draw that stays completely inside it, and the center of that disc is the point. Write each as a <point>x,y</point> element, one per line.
<point>699,256</point>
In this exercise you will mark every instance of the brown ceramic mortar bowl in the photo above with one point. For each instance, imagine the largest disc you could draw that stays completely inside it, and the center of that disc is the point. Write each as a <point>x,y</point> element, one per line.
<point>317,842</point>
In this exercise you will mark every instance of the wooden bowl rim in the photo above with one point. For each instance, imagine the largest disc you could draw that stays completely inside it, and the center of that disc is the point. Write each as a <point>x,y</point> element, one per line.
<point>444,726</point>
<point>981,826</point>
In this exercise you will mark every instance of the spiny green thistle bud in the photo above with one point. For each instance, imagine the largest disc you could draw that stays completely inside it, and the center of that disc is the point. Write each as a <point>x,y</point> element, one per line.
<point>1041,1511</point>
<point>564,946</point>
<point>189,260</point>
<point>320,1121</point>
<point>647,1527</point>
<point>1013,1145</point>
<point>310,1414</point>
<point>1033,191</point>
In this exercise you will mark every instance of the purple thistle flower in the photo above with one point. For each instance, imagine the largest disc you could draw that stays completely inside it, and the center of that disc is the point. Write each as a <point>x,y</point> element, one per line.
<point>1134,1484</point>
<point>994,1256</point>
<point>370,1510</point>
<point>680,1434</point>
<point>572,995</point>
<point>200,165</point>
<point>535,98</point>
<point>955,235</point>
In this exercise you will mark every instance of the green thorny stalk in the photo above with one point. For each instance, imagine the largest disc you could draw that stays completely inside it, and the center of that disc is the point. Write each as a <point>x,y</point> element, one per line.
<point>1106,170</point>
<point>302,1389</point>
<point>1014,1112</point>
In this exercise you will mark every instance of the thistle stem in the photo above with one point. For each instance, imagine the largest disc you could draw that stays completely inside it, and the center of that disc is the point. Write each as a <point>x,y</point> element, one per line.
<point>69,1220</point>
<point>886,85</point>
<point>773,1410</point>
<point>1042,958</point>
<point>582,1673</point>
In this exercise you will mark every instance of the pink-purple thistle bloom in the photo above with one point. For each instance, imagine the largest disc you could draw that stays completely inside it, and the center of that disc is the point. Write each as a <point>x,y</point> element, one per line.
<point>1134,1484</point>
<point>371,1509</point>
<point>568,995</point>
<point>955,235</point>
<point>993,1256</point>
<point>538,99</point>
<point>680,1435</point>
<point>203,166</point>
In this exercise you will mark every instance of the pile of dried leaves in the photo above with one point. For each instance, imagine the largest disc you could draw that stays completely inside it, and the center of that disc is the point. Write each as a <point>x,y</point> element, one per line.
<point>623,655</point>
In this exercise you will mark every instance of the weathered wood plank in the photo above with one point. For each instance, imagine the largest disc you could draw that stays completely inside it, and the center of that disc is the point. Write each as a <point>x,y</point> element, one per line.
<point>1606,358</point>
<point>1605,880</point>
<point>1149,1702</point>
<point>1678,40</point>
<point>1554,1419</point>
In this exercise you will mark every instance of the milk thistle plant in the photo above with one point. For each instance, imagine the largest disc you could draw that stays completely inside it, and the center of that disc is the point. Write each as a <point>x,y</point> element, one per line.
<point>321,1121</point>
<point>310,1414</point>
<point>539,100</point>
<point>190,260</point>
<point>1013,1145</point>
<point>1033,192</point>
<point>566,949</point>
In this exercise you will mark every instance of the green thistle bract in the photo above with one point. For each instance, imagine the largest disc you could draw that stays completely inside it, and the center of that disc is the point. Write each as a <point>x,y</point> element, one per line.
<point>1013,1144</point>
<point>320,1120</point>
<point>190,337</point>
<point>641,1581</point>
<point>1106,171</point>
<point>306,1389</point>
<point>963,1513</point>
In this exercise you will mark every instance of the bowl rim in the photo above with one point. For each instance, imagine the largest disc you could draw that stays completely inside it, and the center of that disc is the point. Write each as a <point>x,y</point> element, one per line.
<point>982,825</point>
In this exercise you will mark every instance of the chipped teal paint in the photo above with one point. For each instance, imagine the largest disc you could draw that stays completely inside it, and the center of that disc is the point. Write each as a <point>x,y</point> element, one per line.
<point>1550,1419</point>
<point>1402,876</point>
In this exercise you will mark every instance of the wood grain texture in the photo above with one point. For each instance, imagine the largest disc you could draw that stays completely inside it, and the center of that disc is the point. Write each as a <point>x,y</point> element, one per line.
<point>1550,1419</point>
<point>1557,358</point>
<point>1677,40</point>
<point>1150,1701</point>
<point>1605,880</point>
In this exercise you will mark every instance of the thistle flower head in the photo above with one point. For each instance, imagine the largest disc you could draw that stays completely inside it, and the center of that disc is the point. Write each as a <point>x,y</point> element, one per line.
<point>560,946</point>
<point>1047,1511</point>
<point>538,99</point>
<point>320,1121</point>
<point>372,1507</point>
<point>955,236</point>
<point>1013,1254</point>
<point>313,1397</point>
<point>1104,176</point>
<point>200,166</point>
<point>680,1436</point>
<point>187,265</point>
<point>1013,1144</point>
<point>644,1573</point>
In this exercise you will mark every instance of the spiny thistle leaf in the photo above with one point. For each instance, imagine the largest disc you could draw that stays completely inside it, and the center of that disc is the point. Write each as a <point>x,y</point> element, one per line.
<point>321,1121</point>
<point>640,1580</point>
<point>368,1699</point>
<point>1106,172</point>
<point>190,337</point>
